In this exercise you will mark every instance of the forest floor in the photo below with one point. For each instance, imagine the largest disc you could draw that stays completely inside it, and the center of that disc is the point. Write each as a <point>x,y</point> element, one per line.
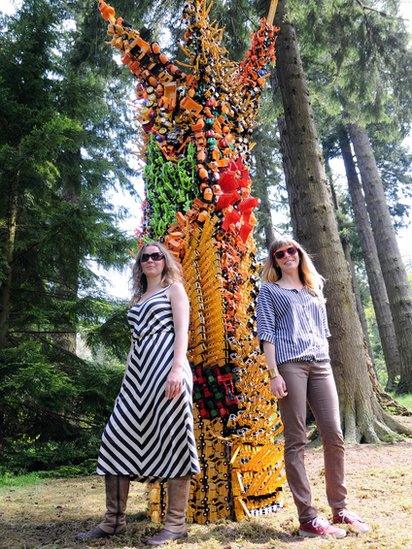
<point>379,479</point>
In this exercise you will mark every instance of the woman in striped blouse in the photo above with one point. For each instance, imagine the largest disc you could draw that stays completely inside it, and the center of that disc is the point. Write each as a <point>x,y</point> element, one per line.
<point>293,329</point>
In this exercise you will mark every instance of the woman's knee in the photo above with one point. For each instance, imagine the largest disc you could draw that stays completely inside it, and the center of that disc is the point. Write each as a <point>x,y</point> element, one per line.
<point>332,436</point>
<point>295,444</point>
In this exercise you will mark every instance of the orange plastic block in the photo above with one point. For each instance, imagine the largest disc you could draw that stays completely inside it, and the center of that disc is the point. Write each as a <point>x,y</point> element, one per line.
<point>170,93</point>
<point>107,11</point>
<point>190,105</point>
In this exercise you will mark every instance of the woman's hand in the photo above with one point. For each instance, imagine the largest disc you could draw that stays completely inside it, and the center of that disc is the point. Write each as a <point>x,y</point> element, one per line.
<point>278,387</point>
<point>174,382</point>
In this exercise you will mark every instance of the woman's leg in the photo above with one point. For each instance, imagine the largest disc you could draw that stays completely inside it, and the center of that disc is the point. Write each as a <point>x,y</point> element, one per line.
<point>114,522</point>
<point>178,490</point>
<point>323,400</point>
<point>293,414</point>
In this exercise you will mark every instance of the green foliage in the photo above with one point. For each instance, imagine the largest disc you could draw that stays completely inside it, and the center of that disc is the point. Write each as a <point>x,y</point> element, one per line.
<point>15,480</point>
<point>53,459</point>
<point>10,480</point>
<point>239,21</point>
<point>170,186</point>
<point>113,334</point>
<point>54,405</point>
<point>356,60</point>
<point>64,129</point>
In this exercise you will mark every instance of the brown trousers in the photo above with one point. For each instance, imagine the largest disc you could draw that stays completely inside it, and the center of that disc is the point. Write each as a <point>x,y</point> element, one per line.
<point>312,382</point>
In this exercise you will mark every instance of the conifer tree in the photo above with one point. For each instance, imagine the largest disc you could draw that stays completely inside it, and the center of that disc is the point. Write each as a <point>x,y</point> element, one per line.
<point>358,61</point>
<point>27,107</point>
<point>63,145</point>
<point>377,286</point>
<point>315,226</point>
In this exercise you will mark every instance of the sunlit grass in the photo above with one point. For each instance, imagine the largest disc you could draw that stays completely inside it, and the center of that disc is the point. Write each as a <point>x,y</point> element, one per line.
<point>9,480</point>
<point>49,513</point>
<point>405,400</point>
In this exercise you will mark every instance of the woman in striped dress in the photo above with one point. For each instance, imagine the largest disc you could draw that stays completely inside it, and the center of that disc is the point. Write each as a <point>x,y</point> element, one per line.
<point>293,328</point>
<point>149,435</point>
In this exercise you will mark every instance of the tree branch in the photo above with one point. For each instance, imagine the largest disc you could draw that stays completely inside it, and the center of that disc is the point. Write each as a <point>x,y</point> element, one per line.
<point>369,8</point>
<point>41,332</point>
<point>71,418</point>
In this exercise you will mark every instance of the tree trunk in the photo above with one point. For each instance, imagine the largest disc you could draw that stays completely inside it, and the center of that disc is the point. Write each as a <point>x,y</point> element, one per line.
<point>331,187</point>
<point>373,269</point>
<point>260,187</point>
<point>363,419</point>
<point>393,270</point>
<point>358,300</point>
<point>69,258</point>
<point>5,289</point>
<point>347,252</point>
<point>265,208</point>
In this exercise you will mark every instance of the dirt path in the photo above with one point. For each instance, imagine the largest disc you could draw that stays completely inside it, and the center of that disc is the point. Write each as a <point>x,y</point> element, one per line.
<point>379,480</point>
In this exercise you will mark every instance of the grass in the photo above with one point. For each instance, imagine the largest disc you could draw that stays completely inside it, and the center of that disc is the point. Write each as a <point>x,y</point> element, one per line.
<point>47,513</point>
<point>11,480</point>
<point>405,400</point>
<point>8,480</point>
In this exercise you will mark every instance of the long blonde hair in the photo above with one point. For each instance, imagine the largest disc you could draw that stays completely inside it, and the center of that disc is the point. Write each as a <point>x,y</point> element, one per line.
<point>172,271</point>
<point>308,274</point>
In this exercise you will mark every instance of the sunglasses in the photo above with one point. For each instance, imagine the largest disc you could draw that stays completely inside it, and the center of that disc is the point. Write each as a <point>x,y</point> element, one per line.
<point>290,251</point>
<point>156,256</point>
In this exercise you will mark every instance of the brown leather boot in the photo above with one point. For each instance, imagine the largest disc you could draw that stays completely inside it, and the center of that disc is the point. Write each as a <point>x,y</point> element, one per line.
<point>175,521</point>
<point>117,490</point>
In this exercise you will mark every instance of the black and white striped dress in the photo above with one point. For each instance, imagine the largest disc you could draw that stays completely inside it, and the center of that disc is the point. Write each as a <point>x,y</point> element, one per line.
<point>148,436</point>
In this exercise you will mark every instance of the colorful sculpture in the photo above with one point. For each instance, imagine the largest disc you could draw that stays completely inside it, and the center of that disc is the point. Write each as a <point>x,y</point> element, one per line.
<point>198,124</point>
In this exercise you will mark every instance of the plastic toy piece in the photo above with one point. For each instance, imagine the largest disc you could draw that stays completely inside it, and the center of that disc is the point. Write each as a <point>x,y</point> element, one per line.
<point>139,43</point>
<point>107,11</point>
<point>226,199</point>
<point>190,105</point>
<point>230,219</point>
<point>228,181</point>
<point>245,230</point>
<point>248,204</point>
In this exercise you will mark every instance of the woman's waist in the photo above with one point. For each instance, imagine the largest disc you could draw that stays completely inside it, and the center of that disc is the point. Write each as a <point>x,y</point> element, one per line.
<point>300,336</point>
<point>143,335</point>
<point>309,352</point>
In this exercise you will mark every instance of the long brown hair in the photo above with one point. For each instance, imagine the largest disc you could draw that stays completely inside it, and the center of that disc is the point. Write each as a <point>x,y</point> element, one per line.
<point>172,271</point>
<point>308,274</point>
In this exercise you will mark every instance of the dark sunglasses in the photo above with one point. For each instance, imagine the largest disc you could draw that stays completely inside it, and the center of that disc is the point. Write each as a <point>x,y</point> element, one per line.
<point>290,251</point>
<point>156,256</point>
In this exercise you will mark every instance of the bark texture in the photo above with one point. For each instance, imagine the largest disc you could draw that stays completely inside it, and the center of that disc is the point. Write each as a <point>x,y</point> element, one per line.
<point>377,286</point>
<point>315,227</point>
<point>261,189</point>
<point>347,252</point>
<point>69,260</point>
<point>357,294</point>
<point>393,270</point>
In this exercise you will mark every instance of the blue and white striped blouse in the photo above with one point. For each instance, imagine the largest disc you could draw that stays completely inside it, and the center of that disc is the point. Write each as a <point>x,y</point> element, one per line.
<point>294,321</point>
